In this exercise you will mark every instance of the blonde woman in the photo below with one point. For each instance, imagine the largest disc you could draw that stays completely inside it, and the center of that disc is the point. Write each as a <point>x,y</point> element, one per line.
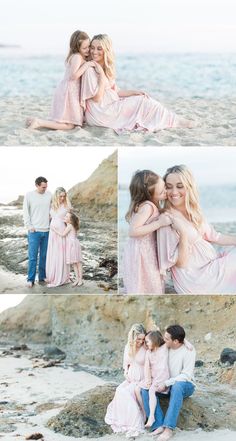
<point>107,106</point>
<point>186,247</point>
<point>57,270</point>
<point>124,414</point>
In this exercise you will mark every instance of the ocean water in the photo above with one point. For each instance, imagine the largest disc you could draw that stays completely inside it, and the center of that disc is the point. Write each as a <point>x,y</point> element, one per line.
<point>217,202</point>
<point>161,75</point>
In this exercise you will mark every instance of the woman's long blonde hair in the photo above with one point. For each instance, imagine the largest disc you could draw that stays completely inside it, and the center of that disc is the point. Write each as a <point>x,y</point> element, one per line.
<point>56,201</point>
<point>192,203</point>
<point>76,40</point>
<point>109,57</point>
<point>142,187</point>
<point>135,330</point>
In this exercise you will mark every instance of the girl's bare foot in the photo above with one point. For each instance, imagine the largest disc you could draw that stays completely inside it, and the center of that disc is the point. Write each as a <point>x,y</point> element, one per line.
<point>150,421</point>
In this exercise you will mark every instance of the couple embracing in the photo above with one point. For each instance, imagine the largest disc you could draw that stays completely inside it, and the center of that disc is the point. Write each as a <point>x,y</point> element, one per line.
<point>52,236</point>
<point>88,93</point>
<point>155,367</point>
<point>176,238</point>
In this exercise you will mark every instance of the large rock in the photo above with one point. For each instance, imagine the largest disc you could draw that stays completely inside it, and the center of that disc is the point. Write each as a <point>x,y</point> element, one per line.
<point>84,414</point>
<point>97,196</point>
<point>228,355</point>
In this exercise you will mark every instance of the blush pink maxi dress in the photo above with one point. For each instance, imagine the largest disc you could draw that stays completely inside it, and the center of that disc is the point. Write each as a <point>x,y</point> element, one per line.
<point>57,270</point>
<point>156,367</point>
<point>73,248</point>
<point>123,413</point>
<point>66,106</point>
<point>138,112</point>
<point>141,273</point>
<point>207,271</point>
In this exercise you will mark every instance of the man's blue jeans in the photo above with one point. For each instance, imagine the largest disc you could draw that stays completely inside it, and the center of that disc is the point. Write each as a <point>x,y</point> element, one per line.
<point>179,391</point>
<point>37,243</point>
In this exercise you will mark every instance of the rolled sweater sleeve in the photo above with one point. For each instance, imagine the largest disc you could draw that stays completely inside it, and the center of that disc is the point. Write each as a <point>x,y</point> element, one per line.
<point>187,372</point>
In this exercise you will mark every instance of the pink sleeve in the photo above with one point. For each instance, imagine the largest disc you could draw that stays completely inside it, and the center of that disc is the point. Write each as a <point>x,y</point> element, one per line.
<point>209,233</point>
<point>163,368</point>
<point>75,63</point>
<point>167,248</point>
<point>89,86</point>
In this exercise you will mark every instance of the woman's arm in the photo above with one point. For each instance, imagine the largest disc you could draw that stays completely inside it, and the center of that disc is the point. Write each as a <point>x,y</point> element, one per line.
<point>126,93</point>
<point>183,247</point>
<point>65,232</point>
<point>226,239</point>
<point>138,227</point>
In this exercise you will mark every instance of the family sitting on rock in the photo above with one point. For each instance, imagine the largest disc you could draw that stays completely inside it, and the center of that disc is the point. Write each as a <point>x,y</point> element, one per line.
<point>155,366</point>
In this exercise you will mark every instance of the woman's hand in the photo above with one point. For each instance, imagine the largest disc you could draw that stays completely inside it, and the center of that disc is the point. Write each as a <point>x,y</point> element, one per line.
<point>126,375</point>
<point>165,219</point>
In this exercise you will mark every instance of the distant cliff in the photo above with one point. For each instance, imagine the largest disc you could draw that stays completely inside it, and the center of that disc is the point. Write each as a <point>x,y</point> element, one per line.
<point>93,329</point>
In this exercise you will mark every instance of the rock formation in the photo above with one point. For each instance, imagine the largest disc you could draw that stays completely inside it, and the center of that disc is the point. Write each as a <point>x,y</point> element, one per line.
<point>97,196</point>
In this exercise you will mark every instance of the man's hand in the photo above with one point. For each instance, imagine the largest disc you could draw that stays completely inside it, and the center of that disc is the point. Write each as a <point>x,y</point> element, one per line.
<point>32,230</point>
<point>161,387</point>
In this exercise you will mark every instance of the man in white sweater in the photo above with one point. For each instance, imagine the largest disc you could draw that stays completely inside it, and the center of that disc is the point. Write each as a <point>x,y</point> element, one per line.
<point>181,382</point>
<point>36,209</point>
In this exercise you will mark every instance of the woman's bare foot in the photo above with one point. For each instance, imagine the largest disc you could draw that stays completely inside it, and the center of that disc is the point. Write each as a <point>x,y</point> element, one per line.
<point>150,421</point>
<point>33,123</point>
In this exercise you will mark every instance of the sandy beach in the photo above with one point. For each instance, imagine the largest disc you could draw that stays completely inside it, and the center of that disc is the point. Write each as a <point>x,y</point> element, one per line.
<point>215,118</point>
<point>31,395</point>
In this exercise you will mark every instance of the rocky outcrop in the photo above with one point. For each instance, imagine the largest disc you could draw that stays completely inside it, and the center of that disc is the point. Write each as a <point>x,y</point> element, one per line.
<point>97,196</point>
<point>84,414</point>
<point>18,202</point>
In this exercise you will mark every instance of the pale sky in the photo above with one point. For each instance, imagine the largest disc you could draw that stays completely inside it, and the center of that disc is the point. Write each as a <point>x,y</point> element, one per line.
<point>43,26</point>
<point>61,166</point>
<point>210,165</point>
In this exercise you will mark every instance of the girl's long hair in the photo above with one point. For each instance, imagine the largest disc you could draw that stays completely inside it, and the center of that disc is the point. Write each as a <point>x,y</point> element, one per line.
<point>142,187</point>
<point>56,201</point>
<point>192,203</point>
<point>109,57</point>
<point>74,220</point>
<point>76,40</point>
<point>135,330</point>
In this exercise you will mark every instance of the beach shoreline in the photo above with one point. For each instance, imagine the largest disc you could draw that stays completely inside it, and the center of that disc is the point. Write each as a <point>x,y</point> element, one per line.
<point>216,125</point>
<point>31,396</point>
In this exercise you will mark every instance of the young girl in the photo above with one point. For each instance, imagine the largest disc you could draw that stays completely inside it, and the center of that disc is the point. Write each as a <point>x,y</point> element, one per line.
<point>66,112</point>
<point>155,371</point>
<point>141,273</point>
<point>73,248</point>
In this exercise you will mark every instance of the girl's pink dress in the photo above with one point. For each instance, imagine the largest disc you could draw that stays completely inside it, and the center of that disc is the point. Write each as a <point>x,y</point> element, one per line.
<point>156,368</point>
<point>73,248</point>
<point>123,413</point>
<point>66,102</point>
<point>207,271</point>
<point>141,273</point>
<point>57,270</point>
<point>138,112</point>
